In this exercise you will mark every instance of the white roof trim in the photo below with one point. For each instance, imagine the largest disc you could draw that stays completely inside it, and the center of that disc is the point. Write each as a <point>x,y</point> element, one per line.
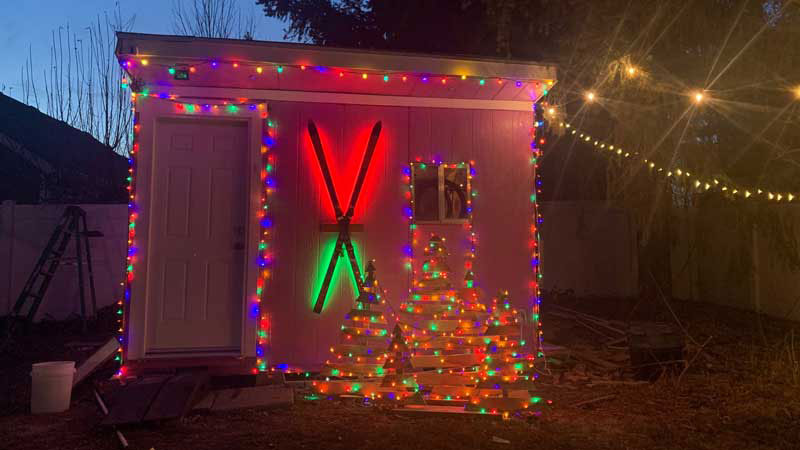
<point>255,95</point>
<point>184,49</point>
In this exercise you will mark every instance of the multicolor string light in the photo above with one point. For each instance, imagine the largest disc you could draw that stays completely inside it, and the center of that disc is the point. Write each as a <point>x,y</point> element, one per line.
<point>410,216</point>
<point>265,251</point>
<point>123,304</point>
<point>265,257</point>
<point>537,142</point>
<point>256,69</point>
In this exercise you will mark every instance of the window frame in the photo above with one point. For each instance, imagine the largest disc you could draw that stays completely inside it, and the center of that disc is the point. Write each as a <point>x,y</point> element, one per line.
<point>440,190</point>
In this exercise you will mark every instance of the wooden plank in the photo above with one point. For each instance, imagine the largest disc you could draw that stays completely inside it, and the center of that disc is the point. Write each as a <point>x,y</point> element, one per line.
<point>447,411</point>
<point>246,380</point>
<point>177,396</point>
<point>130,404</point>
<point>103,354</point>
<point>257,396</point>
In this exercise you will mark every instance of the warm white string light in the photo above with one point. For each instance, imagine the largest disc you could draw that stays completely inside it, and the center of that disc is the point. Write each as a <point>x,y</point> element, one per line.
<point>699,183</point>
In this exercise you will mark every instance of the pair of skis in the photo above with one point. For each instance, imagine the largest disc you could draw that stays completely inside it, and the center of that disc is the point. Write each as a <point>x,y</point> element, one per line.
<point>343,242</point>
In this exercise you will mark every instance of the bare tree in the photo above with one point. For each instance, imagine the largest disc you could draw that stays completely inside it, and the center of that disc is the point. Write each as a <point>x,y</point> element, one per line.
<point>212,19</point>
<point>81,85</point>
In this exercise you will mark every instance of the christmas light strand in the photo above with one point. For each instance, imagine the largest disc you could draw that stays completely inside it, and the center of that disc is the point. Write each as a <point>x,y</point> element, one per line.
<point>537,142</point>
<point>264,259</point>
<point>700,184</point>
<point>185,71</point>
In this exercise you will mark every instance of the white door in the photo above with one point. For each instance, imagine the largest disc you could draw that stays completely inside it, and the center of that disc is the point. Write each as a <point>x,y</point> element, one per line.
<point>197,237</point>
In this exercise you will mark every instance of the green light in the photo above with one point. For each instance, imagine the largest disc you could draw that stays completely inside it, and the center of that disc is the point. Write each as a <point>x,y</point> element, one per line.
<point>280,69</point>
<point>413,226</point>
<point>189,107</point>
<point>269,167</point>
<point>325,256</point>
<point>536,399</point>
<point>171,70</point>
<point>356,387</point>
<point>335,372</point>
<point>433,327</point>
<point>482,82</point>
<point>233,108</point>
<point>483,410</point>
<point>422,166</point>
<point>145,92</point>
<point>386,78</point>
<point>262,245</point>
<point>379,371</point>
<point>130,268</point>
<point>469,283</point>
<point>533,198</point>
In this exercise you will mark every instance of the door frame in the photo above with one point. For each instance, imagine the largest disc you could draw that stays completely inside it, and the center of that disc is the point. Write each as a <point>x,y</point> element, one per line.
<point>151,112</point>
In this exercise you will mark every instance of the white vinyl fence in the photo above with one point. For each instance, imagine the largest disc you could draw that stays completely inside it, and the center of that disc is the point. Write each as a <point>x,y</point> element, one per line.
<point>24,232</point>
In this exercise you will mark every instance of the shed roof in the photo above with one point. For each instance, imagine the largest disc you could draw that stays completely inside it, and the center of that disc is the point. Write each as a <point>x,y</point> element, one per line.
<point>303,67</point>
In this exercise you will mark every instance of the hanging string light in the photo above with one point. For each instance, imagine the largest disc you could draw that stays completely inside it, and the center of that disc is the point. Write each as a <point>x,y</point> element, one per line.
<point>701,184</point>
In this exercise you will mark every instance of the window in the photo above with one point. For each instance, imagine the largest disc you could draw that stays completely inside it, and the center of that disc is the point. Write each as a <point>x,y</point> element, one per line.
<point>441,192</point>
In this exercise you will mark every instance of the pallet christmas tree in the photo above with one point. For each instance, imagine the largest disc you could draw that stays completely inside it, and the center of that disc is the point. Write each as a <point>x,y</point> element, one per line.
<point>444,327</point>
<point>364,335</point>
<point>398,366</point>
<point>506,373</point>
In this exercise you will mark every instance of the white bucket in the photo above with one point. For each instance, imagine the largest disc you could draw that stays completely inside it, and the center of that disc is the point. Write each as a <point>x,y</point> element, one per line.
<point>51,386</point>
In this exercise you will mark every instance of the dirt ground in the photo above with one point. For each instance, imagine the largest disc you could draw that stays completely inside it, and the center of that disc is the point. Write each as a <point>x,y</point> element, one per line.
<point>742,391</point>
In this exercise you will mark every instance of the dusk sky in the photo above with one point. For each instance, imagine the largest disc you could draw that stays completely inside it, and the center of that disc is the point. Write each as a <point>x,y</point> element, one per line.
<point>30,22</point>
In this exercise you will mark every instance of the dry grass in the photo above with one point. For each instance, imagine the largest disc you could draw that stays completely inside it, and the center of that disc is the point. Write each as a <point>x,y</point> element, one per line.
<point>742,392</point>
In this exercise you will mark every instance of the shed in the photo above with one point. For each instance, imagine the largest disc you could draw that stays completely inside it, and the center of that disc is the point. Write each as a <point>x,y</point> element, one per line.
<point>243,148</point>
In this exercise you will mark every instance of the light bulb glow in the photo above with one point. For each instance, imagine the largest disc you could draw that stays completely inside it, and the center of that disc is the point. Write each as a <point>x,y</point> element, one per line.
<point>590,96</point>
<point>698,97</point>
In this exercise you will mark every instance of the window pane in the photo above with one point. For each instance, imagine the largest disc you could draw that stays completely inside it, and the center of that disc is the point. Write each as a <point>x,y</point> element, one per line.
<point>456,193</point>
<point>426,192</point>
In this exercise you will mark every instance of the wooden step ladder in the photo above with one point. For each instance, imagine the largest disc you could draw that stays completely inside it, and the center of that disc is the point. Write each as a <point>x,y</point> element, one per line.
<point>72,224</point>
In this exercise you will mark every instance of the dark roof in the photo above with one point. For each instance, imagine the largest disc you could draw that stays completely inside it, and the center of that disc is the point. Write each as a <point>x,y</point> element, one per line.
<point>89,170</point>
